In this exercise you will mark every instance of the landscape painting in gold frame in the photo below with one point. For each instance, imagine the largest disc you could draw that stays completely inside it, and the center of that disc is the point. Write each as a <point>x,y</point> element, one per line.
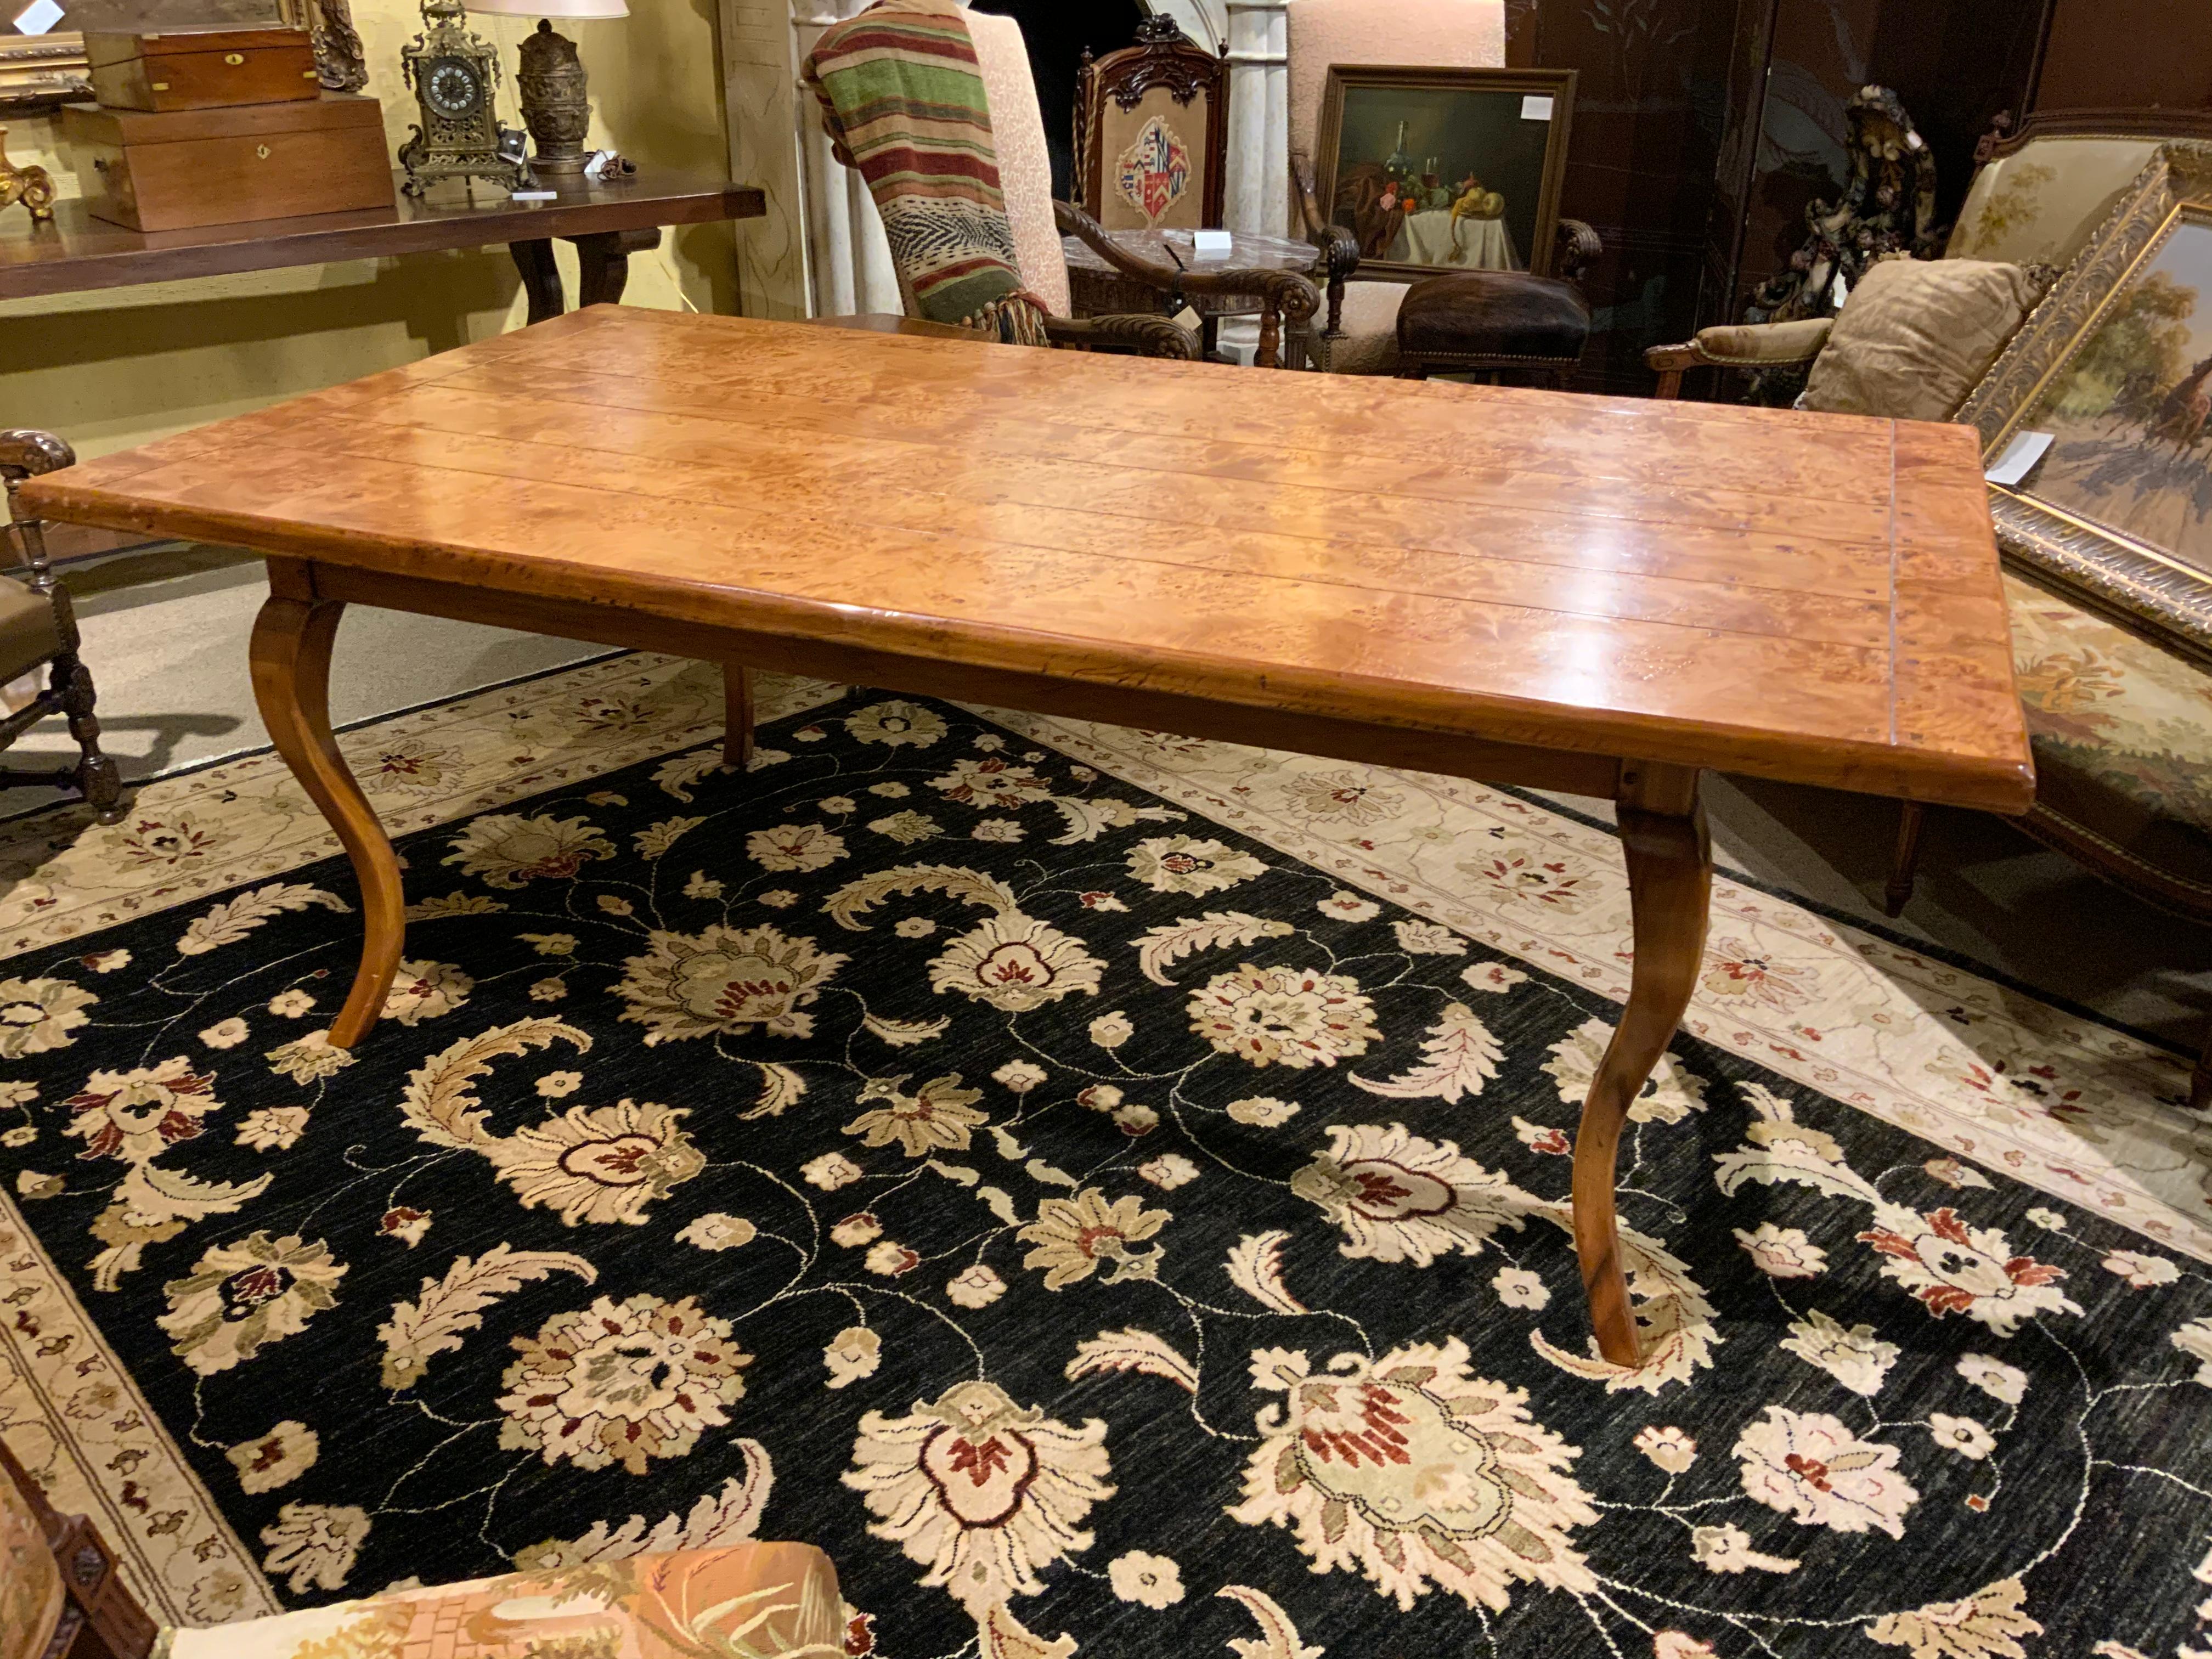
<point>1435,170</point>
<point>2115,366</point>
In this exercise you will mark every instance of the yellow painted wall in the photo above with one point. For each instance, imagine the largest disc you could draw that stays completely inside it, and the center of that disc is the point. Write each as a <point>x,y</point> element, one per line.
<point>123,365</point>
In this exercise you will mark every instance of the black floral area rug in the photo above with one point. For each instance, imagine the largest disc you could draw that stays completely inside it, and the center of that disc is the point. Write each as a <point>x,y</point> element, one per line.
<point>1100,1233</point>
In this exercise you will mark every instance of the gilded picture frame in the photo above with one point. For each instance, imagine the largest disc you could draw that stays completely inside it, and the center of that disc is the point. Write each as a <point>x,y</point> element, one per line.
<point>2101,547</point>
<point>1470,124</point>
<point>41,72</point>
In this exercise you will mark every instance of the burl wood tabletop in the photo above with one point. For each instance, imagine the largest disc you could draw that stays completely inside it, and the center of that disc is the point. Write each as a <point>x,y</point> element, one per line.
<point>1807,596</point>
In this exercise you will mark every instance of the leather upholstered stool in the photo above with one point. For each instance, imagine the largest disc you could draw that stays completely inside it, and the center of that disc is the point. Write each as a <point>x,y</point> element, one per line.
<point>1492,321</point>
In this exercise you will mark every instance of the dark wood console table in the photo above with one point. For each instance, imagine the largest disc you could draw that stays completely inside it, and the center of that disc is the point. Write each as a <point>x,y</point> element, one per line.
<point>76,253</point>
<point>607,224</point>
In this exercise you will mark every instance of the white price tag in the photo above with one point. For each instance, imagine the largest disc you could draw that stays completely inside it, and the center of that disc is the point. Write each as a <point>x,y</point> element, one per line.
<point>1187,317</point>
<point>533,195</point>
<point>1536,106</point>
<point>38,17</point>
<point>1212,244</point>
<point>2019,458</point>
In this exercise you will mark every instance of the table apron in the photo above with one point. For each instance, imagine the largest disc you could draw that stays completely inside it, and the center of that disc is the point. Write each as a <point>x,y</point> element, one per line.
<point>1451,754</point>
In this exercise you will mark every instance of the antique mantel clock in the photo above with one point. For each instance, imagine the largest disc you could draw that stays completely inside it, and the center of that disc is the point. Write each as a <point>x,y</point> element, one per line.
<point>453,74</point>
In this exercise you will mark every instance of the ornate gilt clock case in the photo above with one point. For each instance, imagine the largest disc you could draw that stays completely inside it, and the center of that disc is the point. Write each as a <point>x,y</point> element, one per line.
<point>453,75</point>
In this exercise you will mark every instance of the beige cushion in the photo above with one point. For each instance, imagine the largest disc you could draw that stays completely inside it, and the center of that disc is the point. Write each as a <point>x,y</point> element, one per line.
<point>1370,342</point>
<point>1916,336</point>
<point>1024,164</point>
<point>1436,33</point>
<point>27,633</point>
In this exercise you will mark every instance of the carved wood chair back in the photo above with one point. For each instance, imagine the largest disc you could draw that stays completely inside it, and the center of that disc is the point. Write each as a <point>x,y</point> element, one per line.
<point>38,632</point>
<point>1152,133</point>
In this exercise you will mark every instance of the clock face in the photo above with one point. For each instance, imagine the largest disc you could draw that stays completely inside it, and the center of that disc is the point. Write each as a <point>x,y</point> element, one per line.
<point>452,86</point>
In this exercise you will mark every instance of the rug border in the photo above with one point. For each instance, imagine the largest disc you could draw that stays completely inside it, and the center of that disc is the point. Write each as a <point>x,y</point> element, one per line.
<point>1949,955</point>
<point>208,761</point>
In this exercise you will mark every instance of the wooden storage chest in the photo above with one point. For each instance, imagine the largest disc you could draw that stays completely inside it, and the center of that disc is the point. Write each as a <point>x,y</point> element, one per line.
<point>206,69</point>
<point>219,167</point>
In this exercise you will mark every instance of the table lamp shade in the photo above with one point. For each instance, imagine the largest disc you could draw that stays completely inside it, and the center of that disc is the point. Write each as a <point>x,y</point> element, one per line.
<point>560,10</point>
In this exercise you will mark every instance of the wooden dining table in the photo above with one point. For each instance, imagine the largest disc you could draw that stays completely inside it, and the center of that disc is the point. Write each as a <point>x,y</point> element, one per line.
<point>1593,595</point>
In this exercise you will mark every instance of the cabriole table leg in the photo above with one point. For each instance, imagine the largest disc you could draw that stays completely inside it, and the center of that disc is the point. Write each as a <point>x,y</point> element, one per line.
<point>1670,883</point>
<point>291,660</point>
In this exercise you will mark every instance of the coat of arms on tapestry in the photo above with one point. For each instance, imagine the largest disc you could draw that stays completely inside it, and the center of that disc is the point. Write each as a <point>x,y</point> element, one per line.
<point>1155,170</point>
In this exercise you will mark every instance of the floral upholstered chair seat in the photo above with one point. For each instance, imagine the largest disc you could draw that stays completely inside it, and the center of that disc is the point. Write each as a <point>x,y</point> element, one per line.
<point>752,1601</point>
<point>2123,739</point>
<point>746,1602</point>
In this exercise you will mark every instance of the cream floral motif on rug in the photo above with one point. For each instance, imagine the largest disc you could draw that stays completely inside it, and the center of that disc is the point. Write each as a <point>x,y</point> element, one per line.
<point>2065,1103</point>
<point>2054,1102</point>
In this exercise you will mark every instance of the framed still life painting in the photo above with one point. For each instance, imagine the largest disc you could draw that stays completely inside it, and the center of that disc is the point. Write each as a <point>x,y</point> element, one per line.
<point>1436,169</point>
<point>2102,408</point>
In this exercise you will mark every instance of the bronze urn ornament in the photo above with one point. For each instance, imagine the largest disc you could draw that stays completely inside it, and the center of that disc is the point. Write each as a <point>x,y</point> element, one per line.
<point>554,107</point>
<point>550,79</point>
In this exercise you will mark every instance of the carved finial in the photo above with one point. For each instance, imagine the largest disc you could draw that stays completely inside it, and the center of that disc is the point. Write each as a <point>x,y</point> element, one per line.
<point>1159,30</point>
<point>1986,146</point>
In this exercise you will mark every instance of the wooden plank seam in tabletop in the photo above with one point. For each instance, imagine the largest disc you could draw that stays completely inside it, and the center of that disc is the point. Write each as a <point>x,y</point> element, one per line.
<point>589,506</point>
<point>714,480</point>
<point>1510,489</point>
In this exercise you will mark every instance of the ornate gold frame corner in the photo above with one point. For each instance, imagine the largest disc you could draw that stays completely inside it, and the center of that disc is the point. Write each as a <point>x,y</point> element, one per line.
<point>340,62</point>
<point>41,72</point>
<point>2131,580</point>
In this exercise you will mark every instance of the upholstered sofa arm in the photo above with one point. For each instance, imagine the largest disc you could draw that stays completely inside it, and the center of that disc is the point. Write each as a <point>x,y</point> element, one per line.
<point>1739,345</point>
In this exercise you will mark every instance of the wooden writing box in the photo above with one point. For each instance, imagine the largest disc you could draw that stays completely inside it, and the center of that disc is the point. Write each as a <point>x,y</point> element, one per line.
<point>206,69</point>
<point>221,167</point>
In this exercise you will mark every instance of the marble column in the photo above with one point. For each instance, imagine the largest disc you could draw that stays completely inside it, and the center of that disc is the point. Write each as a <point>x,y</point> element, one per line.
<point>1259,197</point>
<point>848,260</point>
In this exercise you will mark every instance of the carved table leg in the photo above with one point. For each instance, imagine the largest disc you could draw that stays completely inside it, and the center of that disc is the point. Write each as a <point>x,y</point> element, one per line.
<point>1670,881</point>
<point>1904,860</point>
<point>541,279</point>
<point>603,262</point>
<point>291,660</point>
<point>738,715</point>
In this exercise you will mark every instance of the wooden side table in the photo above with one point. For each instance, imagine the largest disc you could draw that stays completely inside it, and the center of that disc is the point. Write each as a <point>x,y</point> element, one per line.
<point>75,252</point>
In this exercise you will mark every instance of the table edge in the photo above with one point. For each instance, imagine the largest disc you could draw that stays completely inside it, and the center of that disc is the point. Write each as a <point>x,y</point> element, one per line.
<point>1885,767</point>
